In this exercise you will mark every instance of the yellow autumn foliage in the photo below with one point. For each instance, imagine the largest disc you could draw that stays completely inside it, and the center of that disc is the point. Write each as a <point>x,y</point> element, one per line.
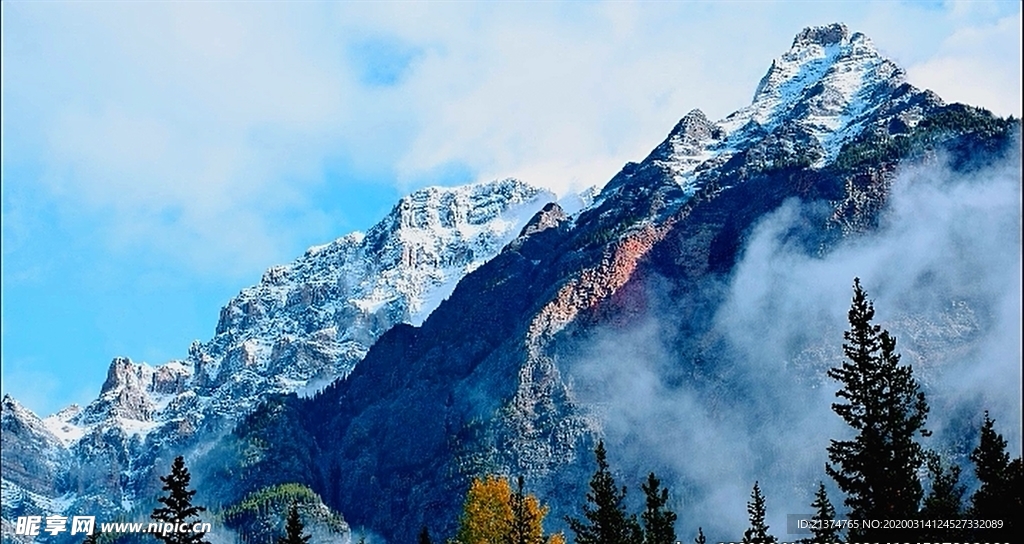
<point>487,512</point>
<point>487,516</point>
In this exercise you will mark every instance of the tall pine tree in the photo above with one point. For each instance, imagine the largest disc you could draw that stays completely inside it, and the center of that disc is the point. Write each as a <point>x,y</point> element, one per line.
<point>757,533</point>
<point>178,508</point>
<point>701,539</point>
<point>659,521</point>
<point>990,463</point>
<point>882,402</point>
<point>425,536</point>
<point>824,517</point>
<point>999,496</point>
<point>523,527</point>
<point>946,497</point>
<point>944,500</point>
<point>606,519</point>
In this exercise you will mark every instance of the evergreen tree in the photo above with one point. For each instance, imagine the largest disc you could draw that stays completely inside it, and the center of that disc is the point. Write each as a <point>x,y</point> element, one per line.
<point>999,496</point>
<point>824,516</point>
<point>293,528</point>
<point>757,533</point>
<point>425,536</point>
<point>606,519</point>
<point>92,538</point>
<point>1015,498</point>
<point>700,537</point>
<point>882,402</point>
<point>990,464</point>
<point>659,521</point>
<point>523,527</point>
<point>945,500</point>
<point>178,508</point>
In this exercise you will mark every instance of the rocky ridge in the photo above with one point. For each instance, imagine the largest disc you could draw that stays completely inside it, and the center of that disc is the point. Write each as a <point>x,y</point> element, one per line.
<point>304,325</point>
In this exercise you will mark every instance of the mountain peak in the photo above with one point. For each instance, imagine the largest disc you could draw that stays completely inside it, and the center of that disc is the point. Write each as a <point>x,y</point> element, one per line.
<point>824,84</point>
<point>815,97</point>
<point>822,35</point>
<point>694,127</point>
<point>685,145</point>
<point>821,53</point>
<point>310,321</point>
<point>11,404</point>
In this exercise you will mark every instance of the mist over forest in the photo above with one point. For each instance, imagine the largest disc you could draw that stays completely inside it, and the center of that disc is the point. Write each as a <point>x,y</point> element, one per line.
<point>943,269</point>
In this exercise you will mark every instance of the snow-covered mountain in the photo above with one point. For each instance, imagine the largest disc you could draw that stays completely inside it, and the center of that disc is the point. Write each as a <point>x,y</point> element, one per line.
<point>304,325</point>
<point>309,322</point>
<point>830,87</point>
<point>452,319</point>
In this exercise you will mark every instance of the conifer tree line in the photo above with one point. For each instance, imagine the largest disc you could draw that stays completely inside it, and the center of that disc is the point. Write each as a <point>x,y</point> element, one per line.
<point>877,470</point>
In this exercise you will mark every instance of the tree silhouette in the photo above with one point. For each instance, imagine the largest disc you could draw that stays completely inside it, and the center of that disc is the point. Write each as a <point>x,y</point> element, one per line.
<point>293,528</point>
<point>523,527</point>
<point>659,521</point>
<point>999,496</point>
<point>178,508</point>
<point>700,536</point>
<point>824,516</point>
<point>945,500</point>
<point>881,401</point>
<point>425,536</point>
<point>606,519</point>
<point>757,533</point>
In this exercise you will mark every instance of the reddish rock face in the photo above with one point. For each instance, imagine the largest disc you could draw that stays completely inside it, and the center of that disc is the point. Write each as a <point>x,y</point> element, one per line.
<point>596,285</point>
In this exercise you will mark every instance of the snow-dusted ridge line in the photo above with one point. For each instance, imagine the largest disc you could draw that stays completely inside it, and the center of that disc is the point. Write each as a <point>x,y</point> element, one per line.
<point>309,322</point>
<point>824,85</point>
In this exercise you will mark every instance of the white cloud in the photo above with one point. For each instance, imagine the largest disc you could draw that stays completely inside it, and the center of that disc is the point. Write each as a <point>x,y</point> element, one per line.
<point>190,129</point>
<point>978,65</point>
<point>185,128</point>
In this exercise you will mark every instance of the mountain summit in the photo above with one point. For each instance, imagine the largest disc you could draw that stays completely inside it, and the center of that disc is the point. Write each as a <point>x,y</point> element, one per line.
<point>828,83</point>
<point>451,333</point>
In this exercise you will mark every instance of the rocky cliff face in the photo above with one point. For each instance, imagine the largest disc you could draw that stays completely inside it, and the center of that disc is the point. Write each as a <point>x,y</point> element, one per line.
<point>33,455</point>
<point>468,311</point>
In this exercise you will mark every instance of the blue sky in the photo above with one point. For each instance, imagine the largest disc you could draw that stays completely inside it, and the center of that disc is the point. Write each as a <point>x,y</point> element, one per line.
<point>157,157</point>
